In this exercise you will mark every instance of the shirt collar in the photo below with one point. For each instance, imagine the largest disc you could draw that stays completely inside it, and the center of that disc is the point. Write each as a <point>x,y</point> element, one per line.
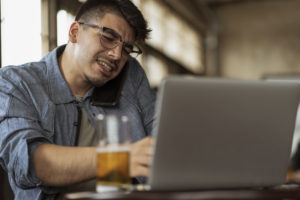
<point>59,89</point>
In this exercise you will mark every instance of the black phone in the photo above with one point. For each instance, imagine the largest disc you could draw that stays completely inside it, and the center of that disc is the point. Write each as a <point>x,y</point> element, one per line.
<point>109,94</point>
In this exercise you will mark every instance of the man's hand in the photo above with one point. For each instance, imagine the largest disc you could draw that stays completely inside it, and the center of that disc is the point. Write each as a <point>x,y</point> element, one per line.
<point>141,157</point>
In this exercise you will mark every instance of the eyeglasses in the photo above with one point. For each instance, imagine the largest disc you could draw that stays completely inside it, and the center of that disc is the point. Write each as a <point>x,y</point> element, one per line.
<point>111,39</point>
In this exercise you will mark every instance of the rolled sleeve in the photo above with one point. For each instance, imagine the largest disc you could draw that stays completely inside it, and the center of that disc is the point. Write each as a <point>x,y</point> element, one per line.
<point>20,138</point>
<point>21,133</point>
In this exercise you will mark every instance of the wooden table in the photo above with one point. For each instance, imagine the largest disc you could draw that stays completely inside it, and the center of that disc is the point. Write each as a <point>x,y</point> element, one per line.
<point>286,192</point>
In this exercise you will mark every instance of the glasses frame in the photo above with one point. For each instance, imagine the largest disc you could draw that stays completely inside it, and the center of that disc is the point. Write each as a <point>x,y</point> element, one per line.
<point>103,28</point>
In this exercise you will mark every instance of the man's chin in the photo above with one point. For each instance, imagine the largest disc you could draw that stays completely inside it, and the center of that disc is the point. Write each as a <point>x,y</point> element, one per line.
<point>98,83</point>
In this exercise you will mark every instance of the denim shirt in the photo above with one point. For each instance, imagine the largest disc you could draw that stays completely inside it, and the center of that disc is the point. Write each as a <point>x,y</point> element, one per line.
<point>37,106</point>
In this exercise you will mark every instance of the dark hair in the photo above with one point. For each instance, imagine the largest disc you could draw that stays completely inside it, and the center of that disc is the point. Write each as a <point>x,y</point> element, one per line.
<point>124,8</point>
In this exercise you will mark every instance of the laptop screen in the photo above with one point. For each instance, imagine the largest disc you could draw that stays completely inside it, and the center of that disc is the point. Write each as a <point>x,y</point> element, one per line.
<point>219,133</point>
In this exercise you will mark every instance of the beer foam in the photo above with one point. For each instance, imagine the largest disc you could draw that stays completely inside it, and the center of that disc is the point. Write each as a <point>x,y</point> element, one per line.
<point>113,149</point>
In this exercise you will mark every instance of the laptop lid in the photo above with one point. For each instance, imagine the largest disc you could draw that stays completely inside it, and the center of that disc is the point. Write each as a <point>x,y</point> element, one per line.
<point>216,133</point>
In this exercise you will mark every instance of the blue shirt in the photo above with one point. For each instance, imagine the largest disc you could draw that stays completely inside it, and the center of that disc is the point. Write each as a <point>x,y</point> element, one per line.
<point>37,106</point>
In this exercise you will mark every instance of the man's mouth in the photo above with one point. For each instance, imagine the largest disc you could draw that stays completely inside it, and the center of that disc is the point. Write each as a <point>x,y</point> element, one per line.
<point>105,66</point>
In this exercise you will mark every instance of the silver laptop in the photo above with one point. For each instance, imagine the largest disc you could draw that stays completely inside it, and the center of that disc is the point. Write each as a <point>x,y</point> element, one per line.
<point>217,133</point>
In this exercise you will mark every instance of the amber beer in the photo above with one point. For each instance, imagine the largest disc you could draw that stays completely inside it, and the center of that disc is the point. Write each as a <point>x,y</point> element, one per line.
<point>113,168</point>
<point>113,152</point>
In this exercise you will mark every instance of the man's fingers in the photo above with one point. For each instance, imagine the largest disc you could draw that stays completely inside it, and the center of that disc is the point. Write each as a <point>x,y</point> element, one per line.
<point>146,150</point>
<point>144,160</point>
<point>144,146</point>
<point>141,157</point>
<point>140,166</point>
<point>146,141</point>
<point>140,171</point>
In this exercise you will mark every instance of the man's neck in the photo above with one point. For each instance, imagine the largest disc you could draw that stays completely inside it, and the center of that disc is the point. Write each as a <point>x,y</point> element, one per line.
<point>77,84</point>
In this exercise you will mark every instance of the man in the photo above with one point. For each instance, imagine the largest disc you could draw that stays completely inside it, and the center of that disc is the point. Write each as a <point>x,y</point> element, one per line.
<point>47,107</point>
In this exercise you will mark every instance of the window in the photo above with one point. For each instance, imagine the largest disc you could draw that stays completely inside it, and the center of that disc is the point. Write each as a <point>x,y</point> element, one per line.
<point>173,37</point>
<point>157,69</point>
<point>20,31</point>
<point>64,21</point>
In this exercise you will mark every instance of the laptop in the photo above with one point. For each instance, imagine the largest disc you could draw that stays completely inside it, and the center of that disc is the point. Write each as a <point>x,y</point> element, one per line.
<point>218,133</point>
<point>289,78</point>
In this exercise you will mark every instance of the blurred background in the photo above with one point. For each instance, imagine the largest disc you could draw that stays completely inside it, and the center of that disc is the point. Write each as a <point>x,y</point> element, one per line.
<point>243,39</point>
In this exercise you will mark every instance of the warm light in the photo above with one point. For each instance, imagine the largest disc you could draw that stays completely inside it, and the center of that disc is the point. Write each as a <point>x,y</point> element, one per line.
<point>64,21</point>
<point>21,31</point>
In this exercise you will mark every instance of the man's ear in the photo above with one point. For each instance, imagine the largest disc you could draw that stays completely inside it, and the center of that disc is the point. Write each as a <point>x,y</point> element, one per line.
<point>73,32</point>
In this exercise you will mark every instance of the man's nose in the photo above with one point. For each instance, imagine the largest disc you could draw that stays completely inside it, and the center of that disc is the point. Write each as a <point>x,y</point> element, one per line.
<point>116,52</point>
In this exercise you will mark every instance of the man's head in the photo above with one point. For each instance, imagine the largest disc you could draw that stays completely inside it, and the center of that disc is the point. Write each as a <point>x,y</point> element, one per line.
<point>104,34</point>
<point>123,8</point>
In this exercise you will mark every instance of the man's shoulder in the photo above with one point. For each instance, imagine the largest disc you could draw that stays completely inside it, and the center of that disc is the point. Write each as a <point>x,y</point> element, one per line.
<point>136,79</point>
<point>135,70</point>
<point>29,72</point>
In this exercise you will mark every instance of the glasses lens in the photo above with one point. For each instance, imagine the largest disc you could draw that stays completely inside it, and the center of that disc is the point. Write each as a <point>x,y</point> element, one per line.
<point>109,39</point>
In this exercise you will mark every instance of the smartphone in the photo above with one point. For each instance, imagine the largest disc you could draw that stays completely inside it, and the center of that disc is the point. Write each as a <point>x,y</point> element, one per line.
<point>109,94</point>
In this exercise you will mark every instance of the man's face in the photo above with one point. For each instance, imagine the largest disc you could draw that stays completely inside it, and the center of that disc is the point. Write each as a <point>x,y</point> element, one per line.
<point>96,64</point>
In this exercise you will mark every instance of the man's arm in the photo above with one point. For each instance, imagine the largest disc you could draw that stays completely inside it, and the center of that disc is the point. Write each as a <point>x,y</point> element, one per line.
<point>60,165</point>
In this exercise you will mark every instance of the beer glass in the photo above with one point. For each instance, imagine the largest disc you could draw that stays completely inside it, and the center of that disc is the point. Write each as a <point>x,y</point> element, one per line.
<point>113,152</point>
